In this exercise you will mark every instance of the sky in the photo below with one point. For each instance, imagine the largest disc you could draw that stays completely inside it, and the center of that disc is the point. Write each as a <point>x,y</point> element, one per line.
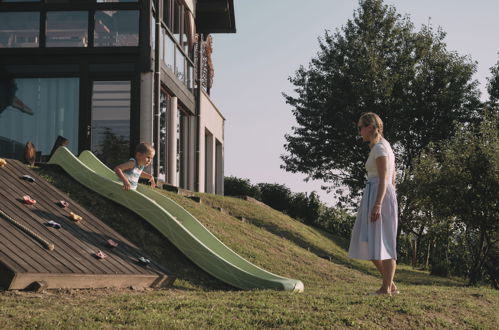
<point>275,37</point>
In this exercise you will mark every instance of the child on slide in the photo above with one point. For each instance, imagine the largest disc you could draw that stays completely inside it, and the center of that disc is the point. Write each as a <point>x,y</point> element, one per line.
<point>130,171</point>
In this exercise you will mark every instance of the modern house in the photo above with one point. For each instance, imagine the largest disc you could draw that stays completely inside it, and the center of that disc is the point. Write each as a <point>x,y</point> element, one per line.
<point>108,74</point>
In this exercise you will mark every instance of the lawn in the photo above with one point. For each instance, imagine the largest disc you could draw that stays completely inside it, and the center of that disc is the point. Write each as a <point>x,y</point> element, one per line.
<point>336,287</point>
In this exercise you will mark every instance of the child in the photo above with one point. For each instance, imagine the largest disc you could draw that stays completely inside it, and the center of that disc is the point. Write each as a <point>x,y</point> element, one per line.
<point>130,171</point>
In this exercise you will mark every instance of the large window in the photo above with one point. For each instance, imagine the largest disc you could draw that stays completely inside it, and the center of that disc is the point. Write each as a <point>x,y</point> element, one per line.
<point>115,23</point>
<point>67,29</point>
<point>177,36</point>
<point>116,28</point>
<point>38,110</point>
<point>110,127</point>
<point>19,29</point>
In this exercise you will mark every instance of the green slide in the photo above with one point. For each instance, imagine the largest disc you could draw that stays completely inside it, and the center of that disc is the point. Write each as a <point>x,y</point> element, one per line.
<point>173,222</point>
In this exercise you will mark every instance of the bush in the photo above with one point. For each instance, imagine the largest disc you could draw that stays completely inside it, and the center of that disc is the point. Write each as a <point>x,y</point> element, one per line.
<point>234,186</point>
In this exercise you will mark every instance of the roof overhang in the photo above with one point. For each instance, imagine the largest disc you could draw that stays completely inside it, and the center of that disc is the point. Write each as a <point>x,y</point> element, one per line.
<point>215,16</point>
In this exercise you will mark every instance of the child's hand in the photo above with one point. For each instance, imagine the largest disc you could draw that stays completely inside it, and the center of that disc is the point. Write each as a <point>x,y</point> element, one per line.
<point>126,185</point>
<point>152,182</point>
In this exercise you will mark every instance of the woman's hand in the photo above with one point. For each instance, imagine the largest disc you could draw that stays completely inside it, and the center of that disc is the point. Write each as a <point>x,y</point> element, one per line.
<point>152,182</point>
<point>376,212</point>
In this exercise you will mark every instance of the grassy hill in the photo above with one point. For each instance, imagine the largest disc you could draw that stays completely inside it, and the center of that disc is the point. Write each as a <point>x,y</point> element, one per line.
<point>336,287</point>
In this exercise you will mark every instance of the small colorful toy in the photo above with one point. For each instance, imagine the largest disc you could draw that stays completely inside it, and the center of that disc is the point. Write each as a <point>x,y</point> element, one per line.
<point>100,255</point>
<point>63,204</point>
<point>27,178</point>
<point>112,243</point>
<point>144,261</point>
<point>28,200</point>
<point>53,224</point>
<point>75,217</point>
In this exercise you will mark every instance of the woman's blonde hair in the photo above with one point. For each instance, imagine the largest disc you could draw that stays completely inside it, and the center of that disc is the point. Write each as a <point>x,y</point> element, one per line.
<point>370,118</point>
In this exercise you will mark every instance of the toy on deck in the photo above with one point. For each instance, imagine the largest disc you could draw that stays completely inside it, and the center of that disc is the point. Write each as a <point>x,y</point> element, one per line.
<point>112,243</point>
<point>53,224</point>
<point>28,200</point>
<point>75,217</point>
<point>27,178</point>
<point>63,204</point>
<point>3,162</point>
<point>100,255</point>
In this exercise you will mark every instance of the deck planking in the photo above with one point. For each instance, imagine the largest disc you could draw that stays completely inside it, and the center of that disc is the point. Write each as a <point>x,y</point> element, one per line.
<point>71,263</point>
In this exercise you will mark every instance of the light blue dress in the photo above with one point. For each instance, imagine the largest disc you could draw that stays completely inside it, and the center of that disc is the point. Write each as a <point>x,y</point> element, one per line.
<point>376,240</point>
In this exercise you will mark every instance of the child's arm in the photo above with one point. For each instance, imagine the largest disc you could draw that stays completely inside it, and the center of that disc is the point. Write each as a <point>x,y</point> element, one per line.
<point>119,171</point>
<point>150,177</point>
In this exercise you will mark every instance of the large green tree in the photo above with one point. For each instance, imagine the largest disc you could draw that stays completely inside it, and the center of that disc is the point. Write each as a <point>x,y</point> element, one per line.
<point>376,62</point>
<point>493,86</point>
<point>456,187</point>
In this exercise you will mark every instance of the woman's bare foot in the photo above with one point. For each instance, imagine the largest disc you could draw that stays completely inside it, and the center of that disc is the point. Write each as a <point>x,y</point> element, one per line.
<point>393,289</point>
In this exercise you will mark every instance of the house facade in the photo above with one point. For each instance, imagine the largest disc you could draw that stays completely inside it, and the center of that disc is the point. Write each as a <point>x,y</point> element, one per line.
<point>108,74</point>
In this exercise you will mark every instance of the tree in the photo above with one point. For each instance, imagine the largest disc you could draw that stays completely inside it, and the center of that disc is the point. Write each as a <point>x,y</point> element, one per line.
<point>493,86</point>
<point>113,149</point>
<point>376,62</point>
<point>457,181</point>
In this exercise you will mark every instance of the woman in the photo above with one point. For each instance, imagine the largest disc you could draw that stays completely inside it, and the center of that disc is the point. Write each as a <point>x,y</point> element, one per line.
<point>375,231</point>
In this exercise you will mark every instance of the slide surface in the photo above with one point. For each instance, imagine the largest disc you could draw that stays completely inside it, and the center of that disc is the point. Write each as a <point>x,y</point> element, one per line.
<point>175,223</point>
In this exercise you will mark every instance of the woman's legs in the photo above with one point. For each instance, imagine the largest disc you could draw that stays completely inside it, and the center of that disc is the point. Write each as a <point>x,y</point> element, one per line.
<point>387,270</point>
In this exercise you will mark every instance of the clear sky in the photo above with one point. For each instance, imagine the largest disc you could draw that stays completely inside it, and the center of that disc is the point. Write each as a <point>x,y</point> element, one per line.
<point>275,37</point>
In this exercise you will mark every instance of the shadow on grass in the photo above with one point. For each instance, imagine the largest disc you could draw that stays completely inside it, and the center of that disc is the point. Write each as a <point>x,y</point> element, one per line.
<point>403,275</point>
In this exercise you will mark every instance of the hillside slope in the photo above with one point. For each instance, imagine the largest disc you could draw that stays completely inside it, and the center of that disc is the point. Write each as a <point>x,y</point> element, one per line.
<point>336,287</point>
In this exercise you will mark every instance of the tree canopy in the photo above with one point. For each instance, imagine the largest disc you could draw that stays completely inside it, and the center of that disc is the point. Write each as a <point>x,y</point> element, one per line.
<point>376,62</point>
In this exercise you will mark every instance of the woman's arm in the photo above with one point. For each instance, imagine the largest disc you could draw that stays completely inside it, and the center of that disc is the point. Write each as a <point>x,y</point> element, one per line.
<point>382,166</point>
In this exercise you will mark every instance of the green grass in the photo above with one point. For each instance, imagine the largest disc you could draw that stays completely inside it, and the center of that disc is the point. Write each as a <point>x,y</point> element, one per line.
<point>335,294</point>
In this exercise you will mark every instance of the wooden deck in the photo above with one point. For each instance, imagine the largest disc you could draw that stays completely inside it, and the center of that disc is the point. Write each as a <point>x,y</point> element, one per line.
<point>71,264</point>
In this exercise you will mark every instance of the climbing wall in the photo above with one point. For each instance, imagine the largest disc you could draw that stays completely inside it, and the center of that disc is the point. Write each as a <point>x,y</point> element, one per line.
<point>62,245</point>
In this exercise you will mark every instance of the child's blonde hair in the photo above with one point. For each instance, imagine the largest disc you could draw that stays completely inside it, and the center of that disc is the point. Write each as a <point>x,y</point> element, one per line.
<point>144,147</point>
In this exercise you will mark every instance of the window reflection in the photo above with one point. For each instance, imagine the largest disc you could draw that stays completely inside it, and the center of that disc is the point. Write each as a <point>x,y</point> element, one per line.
<point>177,20</point>
<point>99,1</point>
<point>179,65</point>
<point>169,51</point>
<point>163,136</point>
<point>18,30</point>
<point>67,29</point>
<point>38,110</point>
<point>110,127</point>
<point>116,28</point>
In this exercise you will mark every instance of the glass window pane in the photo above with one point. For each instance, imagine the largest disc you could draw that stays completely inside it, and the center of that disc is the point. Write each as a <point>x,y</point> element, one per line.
<point>169,52</point>
<point>190,76</point>
<point>179,65</point>
<point>187,33</point>
<point>19,29</point>
<point>163,131</point>
<point>110,127</point>
<point>38,110</point>
<point>20,0</point>
<point>117,1</point>
<point>67,29</point>
<point>116,28</point>
<point>167,15</point>
<point>177,20</point>
<point>153,32</point>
